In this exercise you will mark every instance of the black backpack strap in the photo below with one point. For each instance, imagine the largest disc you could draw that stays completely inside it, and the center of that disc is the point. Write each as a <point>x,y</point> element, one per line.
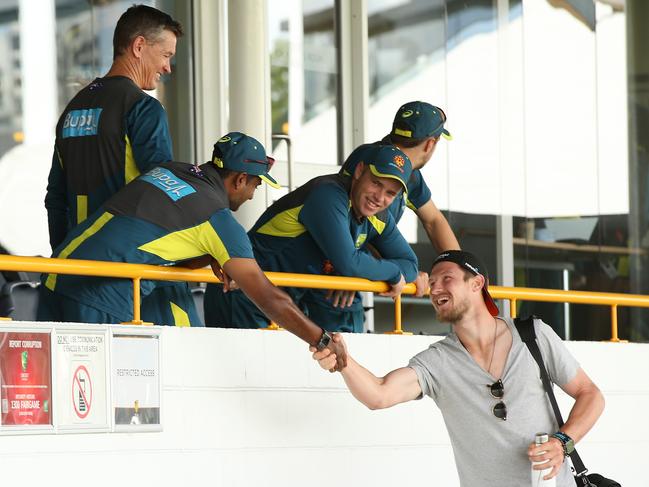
<point>525,329</point>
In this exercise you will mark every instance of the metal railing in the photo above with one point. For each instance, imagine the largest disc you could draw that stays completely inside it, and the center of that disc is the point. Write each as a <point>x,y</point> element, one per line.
<point>137,272</point>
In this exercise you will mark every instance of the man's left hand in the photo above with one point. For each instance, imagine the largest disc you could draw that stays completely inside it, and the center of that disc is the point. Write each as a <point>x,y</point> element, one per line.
<point>552,451</point>
<point>339,298</point>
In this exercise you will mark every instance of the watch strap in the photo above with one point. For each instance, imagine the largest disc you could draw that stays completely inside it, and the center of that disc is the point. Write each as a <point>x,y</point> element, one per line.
<point>567,443</point>
<point>324,340</point>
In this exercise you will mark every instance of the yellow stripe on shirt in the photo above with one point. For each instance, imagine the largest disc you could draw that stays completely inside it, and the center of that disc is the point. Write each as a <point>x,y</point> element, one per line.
<point>181,318</point>
<point>378,224</point>
<point>284,224</point>
<point>82,207</point>
<point>50,283</point>
<point>188,243</point>
<point>130,168</point>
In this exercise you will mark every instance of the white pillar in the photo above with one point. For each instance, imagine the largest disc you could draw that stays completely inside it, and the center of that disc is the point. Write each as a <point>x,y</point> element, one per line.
<point>250,86</point>
<point>210,74</point>
<point>38,69</point>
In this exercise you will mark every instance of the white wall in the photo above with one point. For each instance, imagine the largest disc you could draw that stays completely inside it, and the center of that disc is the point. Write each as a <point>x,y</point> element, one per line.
<point>250,408</point>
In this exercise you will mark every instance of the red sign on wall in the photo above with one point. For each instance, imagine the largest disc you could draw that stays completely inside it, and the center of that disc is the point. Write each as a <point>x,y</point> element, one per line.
<point>25,378</point>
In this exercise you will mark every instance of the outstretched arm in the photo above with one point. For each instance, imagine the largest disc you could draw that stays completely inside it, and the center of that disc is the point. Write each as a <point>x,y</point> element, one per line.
<point>277,305</point>
<point>400,385</point>
<point>437,227</point>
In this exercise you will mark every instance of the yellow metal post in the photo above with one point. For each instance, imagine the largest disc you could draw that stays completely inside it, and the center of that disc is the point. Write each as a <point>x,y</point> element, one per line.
<point>136,305</point>
<point>272,326</point>
<point>512,307</point>
<point>397,318</point>
<point>614,337</point>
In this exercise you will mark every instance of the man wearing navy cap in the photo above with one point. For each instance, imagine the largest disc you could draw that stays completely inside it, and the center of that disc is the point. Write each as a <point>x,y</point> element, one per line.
<point>416,130</point>
<point>172,214</point>
<point>485,382</point>
<point>323,227</point>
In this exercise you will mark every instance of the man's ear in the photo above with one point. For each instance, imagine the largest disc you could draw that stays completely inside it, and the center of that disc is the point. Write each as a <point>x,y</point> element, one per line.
<point>137,45</point>
<point>240,180</point>
<point>358,171</point>
<point>478,283</point>
<point>430,144</point>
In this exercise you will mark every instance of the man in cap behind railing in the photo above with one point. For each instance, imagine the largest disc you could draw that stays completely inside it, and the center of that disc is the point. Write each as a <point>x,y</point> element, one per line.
<point>416,130</point>
<point>173,214</point>
<point>325,227</point>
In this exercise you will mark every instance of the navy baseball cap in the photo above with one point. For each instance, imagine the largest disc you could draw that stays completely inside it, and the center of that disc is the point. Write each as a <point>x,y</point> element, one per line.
<point>475,266</point>
<point>242,153</point>
<point>419,120</point>
<point>387,161</point>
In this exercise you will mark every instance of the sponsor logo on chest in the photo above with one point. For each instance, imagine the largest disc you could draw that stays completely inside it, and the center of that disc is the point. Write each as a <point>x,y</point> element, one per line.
<point>174,187</point>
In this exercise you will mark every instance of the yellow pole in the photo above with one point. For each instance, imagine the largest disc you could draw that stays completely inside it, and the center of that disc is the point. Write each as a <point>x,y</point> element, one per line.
<point>397,318</point>
<point>614,337</point>
<point>136,305</point>
<point>512,307</point>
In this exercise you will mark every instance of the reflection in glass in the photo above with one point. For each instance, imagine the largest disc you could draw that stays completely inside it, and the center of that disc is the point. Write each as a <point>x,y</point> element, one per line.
<point>304,78</point>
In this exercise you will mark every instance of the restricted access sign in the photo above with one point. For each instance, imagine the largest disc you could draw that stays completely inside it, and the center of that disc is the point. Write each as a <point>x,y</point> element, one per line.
<point>135,364</point>
<point>82,385</point>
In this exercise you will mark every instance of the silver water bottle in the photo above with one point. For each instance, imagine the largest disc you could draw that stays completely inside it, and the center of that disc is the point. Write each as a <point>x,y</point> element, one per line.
<point>537,475</point>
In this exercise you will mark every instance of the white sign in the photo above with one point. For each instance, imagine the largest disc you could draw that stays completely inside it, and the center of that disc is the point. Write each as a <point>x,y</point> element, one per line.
<point>135,373</point>
<point>81,385</point>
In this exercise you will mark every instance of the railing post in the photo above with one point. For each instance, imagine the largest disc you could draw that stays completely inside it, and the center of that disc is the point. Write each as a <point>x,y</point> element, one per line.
<point>397,318</point>
<point>272,326</point>
<point>136,305</point>
<point>512,307</point>
<point>614,337</point>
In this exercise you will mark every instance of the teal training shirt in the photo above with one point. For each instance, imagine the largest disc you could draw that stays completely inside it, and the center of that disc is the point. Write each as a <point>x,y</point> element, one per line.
<point>313,230</point>
<point>418,192</point>
<point>171,213</point>
<point>108,134</point>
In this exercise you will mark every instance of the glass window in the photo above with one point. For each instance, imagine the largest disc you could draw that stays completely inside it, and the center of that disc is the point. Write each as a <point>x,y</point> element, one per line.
<point>304,79</point>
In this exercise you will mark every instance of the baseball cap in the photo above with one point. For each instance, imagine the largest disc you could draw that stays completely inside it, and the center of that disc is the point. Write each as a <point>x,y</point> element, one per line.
<point>242,153</point>
<point>475,266</point>
<point>387,161</point>
<point>418,120</point>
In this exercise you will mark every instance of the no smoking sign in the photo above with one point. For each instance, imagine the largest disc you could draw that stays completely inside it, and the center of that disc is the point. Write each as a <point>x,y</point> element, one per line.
<point>81,392</point>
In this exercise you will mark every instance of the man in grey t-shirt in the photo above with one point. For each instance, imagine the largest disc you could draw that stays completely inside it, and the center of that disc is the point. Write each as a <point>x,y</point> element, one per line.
<point>486,383</point>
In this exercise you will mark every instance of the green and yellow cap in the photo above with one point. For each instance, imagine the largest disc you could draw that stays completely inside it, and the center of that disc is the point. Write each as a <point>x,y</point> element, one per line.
<point>241,153</point>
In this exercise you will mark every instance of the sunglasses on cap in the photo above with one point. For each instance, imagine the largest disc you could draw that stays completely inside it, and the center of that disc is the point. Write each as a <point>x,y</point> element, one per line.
<point>268,162</point>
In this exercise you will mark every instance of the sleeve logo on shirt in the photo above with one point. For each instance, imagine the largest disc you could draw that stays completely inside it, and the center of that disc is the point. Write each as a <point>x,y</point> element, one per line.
<point>165,180</point>
<point>79,123</point>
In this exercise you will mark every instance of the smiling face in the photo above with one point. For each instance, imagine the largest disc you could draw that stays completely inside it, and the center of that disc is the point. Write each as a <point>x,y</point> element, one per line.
<point>371,194</point>
<point>451,291</point>
<point>155,59</point>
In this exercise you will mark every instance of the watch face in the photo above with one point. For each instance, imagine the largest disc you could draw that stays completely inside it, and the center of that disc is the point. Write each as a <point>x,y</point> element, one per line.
<point>324,340</point>
<point>570,446</point>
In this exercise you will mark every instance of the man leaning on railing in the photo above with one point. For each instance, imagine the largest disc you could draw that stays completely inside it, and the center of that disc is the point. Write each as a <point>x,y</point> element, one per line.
<point>175,213</point>
<point>325,227</point>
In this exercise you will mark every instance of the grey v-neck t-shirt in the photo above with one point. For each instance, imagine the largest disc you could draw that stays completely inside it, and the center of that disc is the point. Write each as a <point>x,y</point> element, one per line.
<point>489,451</point>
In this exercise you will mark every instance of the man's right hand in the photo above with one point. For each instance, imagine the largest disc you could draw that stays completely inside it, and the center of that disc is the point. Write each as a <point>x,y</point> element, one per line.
<point>395,289</point>
<point>334,357</point>
<point>421,284</point>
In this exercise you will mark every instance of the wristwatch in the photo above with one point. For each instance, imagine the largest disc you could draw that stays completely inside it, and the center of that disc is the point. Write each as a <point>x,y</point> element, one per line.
<point>324,341</point>
<point>567,443</point>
